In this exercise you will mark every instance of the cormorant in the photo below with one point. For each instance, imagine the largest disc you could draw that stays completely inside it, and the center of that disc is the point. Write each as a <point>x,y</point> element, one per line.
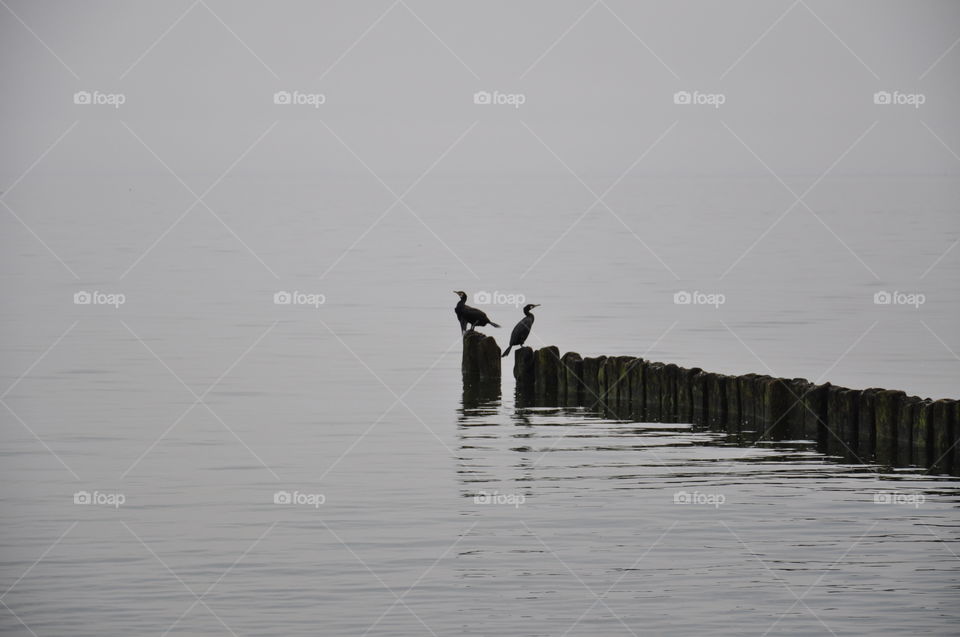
<point>470,315</point>
<point>522,329</point>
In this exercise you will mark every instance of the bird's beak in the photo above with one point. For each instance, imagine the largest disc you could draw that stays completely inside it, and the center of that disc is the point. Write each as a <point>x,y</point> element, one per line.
<point>536,305</point>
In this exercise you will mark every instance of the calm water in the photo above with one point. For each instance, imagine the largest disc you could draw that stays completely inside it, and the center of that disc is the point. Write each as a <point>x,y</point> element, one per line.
<point>199,399</point>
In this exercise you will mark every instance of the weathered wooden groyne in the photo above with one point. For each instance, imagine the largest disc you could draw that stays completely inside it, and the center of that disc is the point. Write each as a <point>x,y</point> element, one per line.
<point>866,425</point>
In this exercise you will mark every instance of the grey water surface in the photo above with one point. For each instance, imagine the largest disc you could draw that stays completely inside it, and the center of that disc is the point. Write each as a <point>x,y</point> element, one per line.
<point>199,399</point>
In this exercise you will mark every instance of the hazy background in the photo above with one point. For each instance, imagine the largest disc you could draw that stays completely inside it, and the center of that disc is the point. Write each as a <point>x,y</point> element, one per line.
<point>598,80</point>
<point>199,198</point>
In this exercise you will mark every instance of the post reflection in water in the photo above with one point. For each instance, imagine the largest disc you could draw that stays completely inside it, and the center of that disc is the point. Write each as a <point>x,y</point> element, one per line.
<point>479,394</point>
<point>514,441</point>
<point>643,505</point>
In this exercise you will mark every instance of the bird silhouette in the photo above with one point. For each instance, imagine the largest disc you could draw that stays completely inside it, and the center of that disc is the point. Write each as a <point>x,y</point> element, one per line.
<point>522,329</point>
<point>470,315</point>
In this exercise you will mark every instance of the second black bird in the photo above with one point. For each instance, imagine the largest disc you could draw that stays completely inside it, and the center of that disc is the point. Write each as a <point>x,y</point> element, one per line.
<point>522,329</point>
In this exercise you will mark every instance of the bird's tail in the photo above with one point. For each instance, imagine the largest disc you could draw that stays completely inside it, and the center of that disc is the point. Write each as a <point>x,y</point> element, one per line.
<point>494,324</point>
<point>507,351</point>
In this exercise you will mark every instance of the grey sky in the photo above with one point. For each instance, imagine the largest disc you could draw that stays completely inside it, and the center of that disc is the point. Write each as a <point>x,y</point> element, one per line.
<point>598,79</point>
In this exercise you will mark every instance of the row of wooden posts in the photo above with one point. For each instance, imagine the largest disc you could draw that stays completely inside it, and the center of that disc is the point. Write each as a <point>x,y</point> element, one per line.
<point>869,425</point>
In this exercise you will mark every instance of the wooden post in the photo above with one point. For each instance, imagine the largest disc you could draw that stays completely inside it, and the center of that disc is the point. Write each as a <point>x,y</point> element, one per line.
<point>731,387</point>
<point>758,397</point>
<point>481,357</point>
<point>591,381</point>
<point>603,391</point>
<point>609,388</point>
<point>832,421</point>
<point>776,404</point>
<point>748,399</point>
<point>523,371</point>
<point>685,394</point>
<point>653,376</point>
<point>614,387</point>
<point>716,401</point>
<point>922,455</point>
<point>561,382</point>
<point>944,415</point>
<point>624,389</point>
<point>866,417</point>
<point>668,393</point>
<point>850,423</point>
<point>572,369</point>
<point>956,437</point>
<point>795,418</point>
<point>635,378</point>
<point>546,360</point>
<point>748,388</point>
<point>698,397</point>
<point>906,424</point>
<point>886,412</point>
<point>815,413</point>
<point>842,423</point>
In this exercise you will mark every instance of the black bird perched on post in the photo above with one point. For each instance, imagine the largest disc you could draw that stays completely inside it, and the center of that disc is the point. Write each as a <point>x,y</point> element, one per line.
<point>470,315</point>
<point>522,329</point>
